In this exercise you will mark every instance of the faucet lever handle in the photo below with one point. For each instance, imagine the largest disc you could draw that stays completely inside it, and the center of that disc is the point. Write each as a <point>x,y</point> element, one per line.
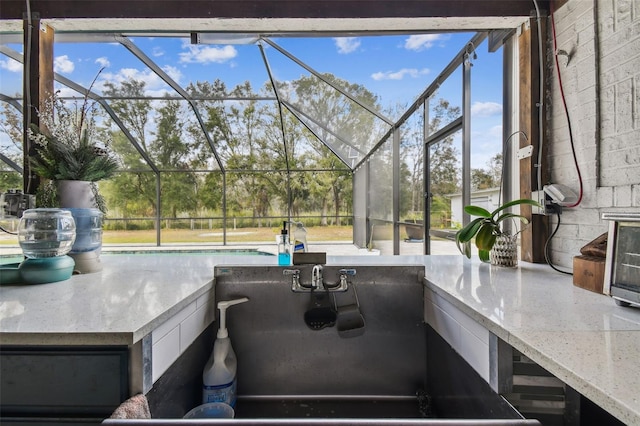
<point>343,284</point>
<point>291,272</point>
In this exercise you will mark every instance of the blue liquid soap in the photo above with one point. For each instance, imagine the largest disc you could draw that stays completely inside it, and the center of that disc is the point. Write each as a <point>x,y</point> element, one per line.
<point>284,259</point>
<point>284,251</point>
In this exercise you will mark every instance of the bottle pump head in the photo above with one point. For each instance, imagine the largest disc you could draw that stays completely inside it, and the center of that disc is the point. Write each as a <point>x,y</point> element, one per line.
<point>223,305</point>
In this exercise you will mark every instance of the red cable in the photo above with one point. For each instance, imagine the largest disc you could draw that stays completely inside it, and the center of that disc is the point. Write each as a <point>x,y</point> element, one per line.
<point>566,110</point>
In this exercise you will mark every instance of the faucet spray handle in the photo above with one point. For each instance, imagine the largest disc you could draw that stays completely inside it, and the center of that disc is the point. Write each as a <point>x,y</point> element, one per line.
<point>343,277</point>
<point>316,277</point>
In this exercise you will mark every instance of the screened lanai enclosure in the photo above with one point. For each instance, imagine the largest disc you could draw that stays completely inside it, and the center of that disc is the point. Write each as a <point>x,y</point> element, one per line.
<point>360,146</point>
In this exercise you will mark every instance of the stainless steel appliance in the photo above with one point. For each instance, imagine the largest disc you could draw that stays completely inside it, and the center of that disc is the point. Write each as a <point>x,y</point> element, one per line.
<point>622,270</point>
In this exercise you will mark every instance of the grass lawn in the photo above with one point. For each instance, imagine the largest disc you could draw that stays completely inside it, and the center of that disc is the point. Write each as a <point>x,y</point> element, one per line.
<point>215,236</point>
<point>255,235</point>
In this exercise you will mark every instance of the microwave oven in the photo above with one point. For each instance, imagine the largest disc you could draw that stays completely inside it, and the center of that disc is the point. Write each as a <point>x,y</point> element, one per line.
<point>622,266</point>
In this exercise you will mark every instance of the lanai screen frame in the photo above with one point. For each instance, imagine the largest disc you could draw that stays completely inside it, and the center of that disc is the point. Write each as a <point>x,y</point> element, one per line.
<point>360,235</point>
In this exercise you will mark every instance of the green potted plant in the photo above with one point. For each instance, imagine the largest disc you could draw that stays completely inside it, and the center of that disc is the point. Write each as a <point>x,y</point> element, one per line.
<point>71,152</point>
<point>486,229</point>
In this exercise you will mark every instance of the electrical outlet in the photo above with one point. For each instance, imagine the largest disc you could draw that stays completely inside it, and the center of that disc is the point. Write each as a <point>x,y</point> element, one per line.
<point>541,198</point>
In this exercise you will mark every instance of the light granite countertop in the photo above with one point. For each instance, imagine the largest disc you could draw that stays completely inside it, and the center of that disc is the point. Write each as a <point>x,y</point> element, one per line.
<point>581,337</point>
<point>119,305</point>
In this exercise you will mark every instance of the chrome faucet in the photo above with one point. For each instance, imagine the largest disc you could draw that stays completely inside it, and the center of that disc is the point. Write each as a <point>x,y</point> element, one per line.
<point>316,278</point>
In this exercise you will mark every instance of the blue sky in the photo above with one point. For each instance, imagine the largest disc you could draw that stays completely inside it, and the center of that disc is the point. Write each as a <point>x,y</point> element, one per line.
<point>396,68</point>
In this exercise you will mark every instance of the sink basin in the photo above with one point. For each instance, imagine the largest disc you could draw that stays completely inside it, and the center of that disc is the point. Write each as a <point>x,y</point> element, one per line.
<point>291,374</point>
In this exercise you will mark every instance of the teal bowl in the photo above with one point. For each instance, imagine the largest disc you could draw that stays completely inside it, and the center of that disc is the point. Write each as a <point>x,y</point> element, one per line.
<point>10,274</point>
<point>46,270</point>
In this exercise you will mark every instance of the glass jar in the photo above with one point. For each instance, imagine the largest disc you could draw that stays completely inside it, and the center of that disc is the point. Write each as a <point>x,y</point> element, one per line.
<point>46,232</point>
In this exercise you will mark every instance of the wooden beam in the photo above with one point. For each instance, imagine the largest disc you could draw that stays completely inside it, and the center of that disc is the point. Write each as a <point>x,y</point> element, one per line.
<point>38,86</point>
<point>14,9</point>
<point>534,236</point>
<point>31,90</point>
<point>45,59</point>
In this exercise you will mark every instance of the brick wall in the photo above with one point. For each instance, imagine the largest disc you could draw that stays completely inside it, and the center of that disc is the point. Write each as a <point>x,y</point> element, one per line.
<point>601,80</point>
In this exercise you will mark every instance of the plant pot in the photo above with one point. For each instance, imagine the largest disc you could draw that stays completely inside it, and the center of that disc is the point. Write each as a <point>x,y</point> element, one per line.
<point>76,194</point>
<point>505,251</point>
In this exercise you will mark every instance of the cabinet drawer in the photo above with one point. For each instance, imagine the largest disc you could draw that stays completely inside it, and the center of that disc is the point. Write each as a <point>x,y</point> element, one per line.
<point>62,381</point>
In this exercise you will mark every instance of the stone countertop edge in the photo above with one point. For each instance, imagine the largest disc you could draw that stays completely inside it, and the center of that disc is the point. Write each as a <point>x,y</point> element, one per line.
<point>114,338</point>
<point>601,397</point>
<point>120,305</point>
<point>540,341</point>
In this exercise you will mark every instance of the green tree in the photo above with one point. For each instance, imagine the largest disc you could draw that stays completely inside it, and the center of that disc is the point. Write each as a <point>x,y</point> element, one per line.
<point>130,107</point>
<point>489,177</point>
<point>132,192</point>
<point>412,167</point>
<point>236,131</point>
<point>11,126</point>
<point>179,188</point>
<point>248,122</point>
<point>481,179</point>
<point>444,163</point>
<point>495,168</point>
<point>343,124</point>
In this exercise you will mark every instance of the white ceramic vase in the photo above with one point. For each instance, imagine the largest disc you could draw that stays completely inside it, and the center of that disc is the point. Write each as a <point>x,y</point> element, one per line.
<point>76,194</point>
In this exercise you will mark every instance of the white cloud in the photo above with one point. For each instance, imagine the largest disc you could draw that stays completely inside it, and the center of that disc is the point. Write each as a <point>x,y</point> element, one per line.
<point>63,64</point>
<point>346,45</point>
<point>487,142</point>
<point>103,62</point>
<point>486,109</point>
<point>157,51</point>
<point>208,54</point>
<point>421,41</point>
<point>496,131</point>
<point>152,81</point>
<point>11,65</point>
<point>154,85</point>
<point>173,72</point>
<point>400,74</point>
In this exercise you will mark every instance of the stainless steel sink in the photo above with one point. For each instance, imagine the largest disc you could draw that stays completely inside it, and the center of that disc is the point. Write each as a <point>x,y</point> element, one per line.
<point>289,373</point>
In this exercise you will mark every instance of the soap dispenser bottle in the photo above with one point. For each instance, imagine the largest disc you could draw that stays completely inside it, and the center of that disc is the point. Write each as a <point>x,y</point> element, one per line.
<point>219,375</point>
<point>284,249</point>
<point>300,239</point>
